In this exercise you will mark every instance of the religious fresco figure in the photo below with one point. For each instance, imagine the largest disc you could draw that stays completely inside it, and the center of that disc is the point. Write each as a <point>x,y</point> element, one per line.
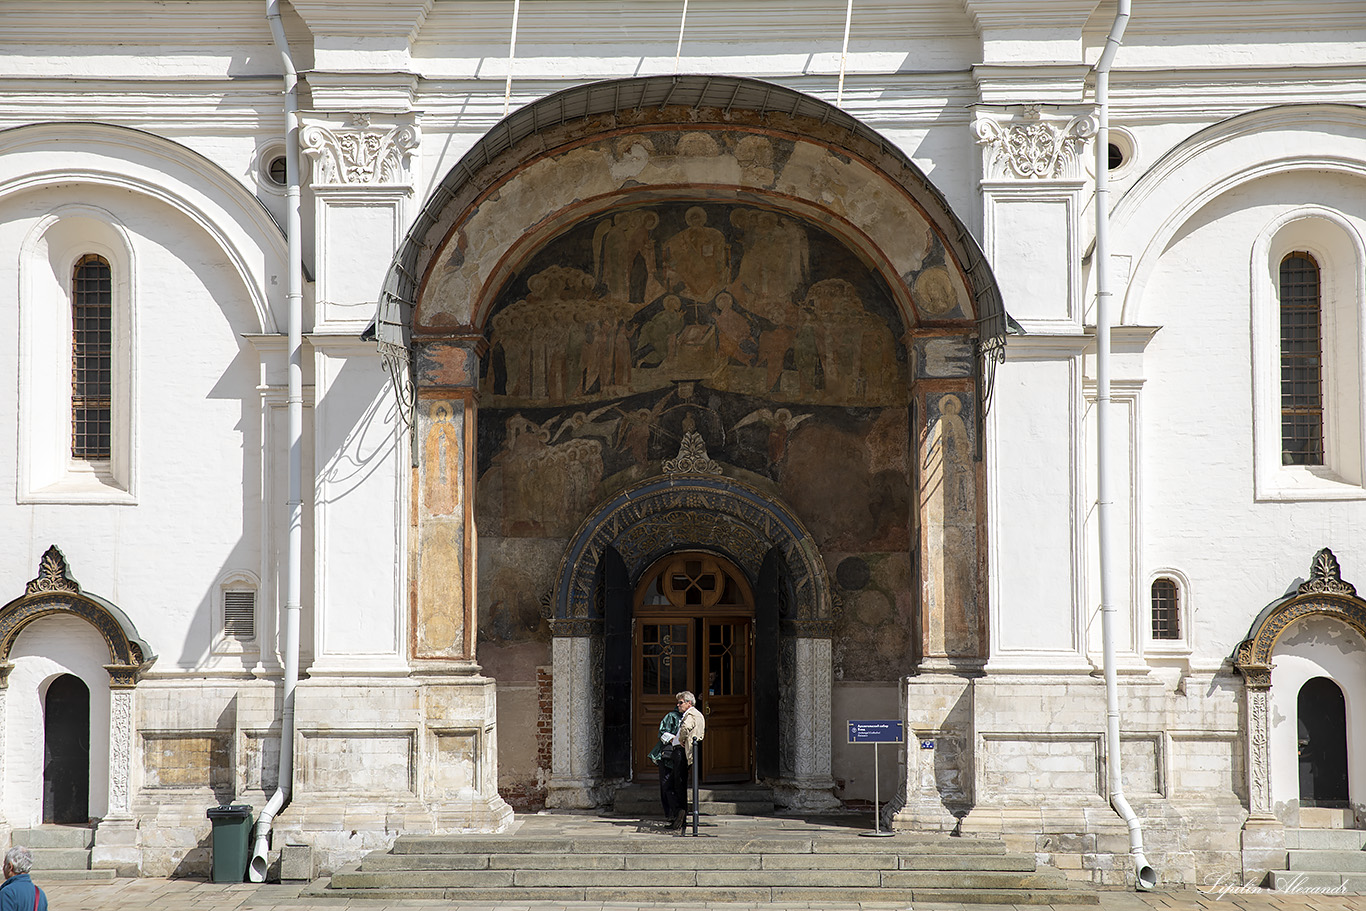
<point>733,332</point>
<point>697,259</point>
<point>619,245</point>
<point>546,485</point>
<point>776,259</point>
<point>746,307</point>
<point>441,450</point>
<point>780,422</point>
<point>660,334</point>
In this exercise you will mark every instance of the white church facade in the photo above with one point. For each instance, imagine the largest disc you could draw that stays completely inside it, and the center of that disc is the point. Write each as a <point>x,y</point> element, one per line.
<point>409,397</point>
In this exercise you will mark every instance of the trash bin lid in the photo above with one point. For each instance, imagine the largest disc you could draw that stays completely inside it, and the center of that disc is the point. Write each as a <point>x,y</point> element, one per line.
<point>229,811</point>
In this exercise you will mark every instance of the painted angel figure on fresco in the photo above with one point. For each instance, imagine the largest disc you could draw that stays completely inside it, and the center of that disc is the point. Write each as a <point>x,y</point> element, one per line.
<point>586,424</point>
<point>636,427</point>
<point>780,425</point>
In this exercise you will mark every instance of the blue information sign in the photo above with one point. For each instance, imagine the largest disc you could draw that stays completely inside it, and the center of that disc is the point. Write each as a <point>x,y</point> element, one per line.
<point>875,732</point>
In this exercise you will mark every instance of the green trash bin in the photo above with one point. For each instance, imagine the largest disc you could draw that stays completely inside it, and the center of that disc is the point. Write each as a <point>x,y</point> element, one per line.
<point>231,842</point>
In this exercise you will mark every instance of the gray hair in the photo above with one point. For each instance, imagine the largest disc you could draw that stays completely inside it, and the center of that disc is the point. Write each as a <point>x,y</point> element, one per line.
<point>19,859</point>
<point>686,696</point>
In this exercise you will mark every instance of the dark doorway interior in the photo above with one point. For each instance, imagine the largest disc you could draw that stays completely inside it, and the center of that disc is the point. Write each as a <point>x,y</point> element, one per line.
<point>66,752</point>
<point>1322,744</point>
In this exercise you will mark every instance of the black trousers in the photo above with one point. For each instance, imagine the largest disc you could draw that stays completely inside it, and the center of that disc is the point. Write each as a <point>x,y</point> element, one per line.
<point>673,783</point>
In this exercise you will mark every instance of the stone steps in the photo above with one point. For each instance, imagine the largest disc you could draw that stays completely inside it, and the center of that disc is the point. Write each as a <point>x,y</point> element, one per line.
<point>734,800</point>
<point>1333,860</point>
<point>734,866</point>
<point>61,853</point>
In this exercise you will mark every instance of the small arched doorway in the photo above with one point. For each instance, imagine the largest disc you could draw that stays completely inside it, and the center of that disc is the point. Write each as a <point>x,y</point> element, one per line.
<point>1322,730</point>
<point>66,751</point>
<point>694,630</point>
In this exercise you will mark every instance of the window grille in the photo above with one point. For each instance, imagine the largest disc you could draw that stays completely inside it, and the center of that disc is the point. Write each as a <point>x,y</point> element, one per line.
<point>239,614</point>
<point>1301,362</point>
<point>92,344</point>
<point>1166,610</point>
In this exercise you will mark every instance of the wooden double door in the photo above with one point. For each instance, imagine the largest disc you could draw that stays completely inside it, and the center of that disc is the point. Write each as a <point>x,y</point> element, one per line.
<point>694,630</point>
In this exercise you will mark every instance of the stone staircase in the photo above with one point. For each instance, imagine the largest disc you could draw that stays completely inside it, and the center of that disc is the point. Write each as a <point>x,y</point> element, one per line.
<point>721,800</point>
<point>1333,859</point>
<point>61,853</point>
<point>730,862</point>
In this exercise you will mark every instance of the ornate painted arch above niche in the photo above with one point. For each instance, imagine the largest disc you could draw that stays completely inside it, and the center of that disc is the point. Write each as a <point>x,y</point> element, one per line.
<point>1323,594</point>
<point>54,593</point>
<point>688,511</point>
<point>590,152</point>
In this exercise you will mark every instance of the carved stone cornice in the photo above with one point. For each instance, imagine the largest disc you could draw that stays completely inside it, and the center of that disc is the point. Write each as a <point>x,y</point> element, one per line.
<point>1029,143</point>
<point>361,153</point>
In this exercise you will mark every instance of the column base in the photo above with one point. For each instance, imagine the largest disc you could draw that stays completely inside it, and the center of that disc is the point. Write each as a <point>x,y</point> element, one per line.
<point>1263,847</point>
<point>117,846</point>
<point>805,796</point>
<point>577,794</point>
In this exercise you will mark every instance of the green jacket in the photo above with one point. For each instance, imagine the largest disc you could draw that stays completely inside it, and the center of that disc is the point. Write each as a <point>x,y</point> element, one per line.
<point>667,725</point>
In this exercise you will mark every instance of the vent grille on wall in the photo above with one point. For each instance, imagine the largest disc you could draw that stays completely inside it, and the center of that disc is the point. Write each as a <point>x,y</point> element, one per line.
<point>239,614</point>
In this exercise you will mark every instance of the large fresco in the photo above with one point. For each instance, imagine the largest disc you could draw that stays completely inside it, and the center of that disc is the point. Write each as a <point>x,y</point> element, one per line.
<point>767,336</point>
<point>744,299</point>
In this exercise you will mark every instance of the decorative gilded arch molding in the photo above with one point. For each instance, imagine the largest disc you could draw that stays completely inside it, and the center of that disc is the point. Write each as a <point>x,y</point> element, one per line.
<point>687,511</point>
<point>54,593</point>
<point>1323,594</point>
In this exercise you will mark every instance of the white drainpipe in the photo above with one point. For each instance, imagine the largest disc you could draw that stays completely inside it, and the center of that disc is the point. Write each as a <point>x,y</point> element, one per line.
<point>1144,876</point>
<point>256,870</point>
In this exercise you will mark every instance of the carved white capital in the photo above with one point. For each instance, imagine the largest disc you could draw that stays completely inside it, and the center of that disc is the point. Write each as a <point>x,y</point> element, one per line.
<point>1032,144</point>
<point>361,152</point>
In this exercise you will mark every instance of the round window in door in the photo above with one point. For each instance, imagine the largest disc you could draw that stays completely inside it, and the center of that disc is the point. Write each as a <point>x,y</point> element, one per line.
<point>694,623</point>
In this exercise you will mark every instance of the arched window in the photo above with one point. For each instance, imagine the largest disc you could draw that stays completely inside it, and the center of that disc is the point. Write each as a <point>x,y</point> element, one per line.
<point>92,346</point>
<point>1301,361</point>
<point>1166,609</point>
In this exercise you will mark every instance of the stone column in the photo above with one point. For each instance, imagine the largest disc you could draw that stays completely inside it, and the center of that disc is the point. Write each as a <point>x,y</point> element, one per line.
<point>1263,838</point>
<point>951,533</point>
<point>443,559</point>
<point>576,738</point>
<point>805,722</point>
<point>116,837</point>
<point>460,712</point>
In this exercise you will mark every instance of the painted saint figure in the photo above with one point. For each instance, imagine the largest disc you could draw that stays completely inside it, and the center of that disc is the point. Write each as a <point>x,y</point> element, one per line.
<point>697,259</point>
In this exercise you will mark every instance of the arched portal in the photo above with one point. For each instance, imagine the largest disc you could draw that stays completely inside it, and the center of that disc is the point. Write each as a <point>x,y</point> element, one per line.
<point>717,280</point>
<point>1322,742</point>
<point>69,662</point>
<point>66,751</point>
<point>1303,667</point>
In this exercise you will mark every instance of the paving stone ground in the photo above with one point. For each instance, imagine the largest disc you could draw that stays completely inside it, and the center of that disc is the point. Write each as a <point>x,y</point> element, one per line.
<point>196,895</point>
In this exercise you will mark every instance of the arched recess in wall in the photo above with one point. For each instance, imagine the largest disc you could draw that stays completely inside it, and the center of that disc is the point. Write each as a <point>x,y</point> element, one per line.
<point>103,155</point>
<point>55,600</point>
<point>1287,139</point>
<point>542,235</point>
<point>696,508</point>
<point>1320,631</point>
<point>610,144</point>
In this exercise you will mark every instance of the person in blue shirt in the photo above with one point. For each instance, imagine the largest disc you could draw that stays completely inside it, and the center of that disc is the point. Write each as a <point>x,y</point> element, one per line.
<point>19,893</point>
